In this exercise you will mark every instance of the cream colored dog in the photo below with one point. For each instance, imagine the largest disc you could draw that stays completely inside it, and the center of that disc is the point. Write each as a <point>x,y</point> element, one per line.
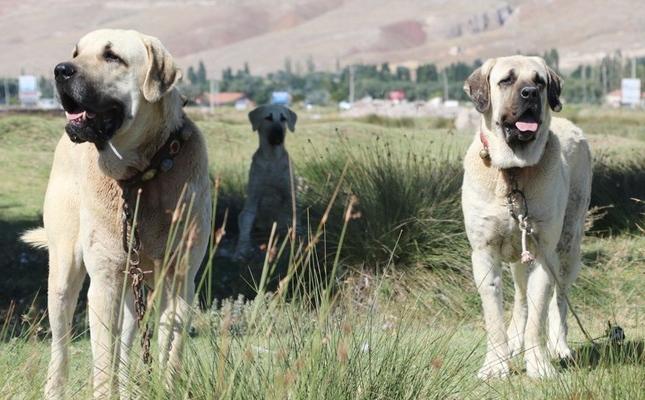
<point>547,162</point>
<point>121,105</point>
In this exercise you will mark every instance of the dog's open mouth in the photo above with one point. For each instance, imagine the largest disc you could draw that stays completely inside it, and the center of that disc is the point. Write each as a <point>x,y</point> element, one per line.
<point>95,124</point>
<point>524,129</point>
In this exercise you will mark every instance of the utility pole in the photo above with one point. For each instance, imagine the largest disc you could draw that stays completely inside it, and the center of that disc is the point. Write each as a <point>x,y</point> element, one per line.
<point>213,90</point>
<point>633,67</point>
<point>603,71</point>
<point>6,92</point>
<point>584,83</point>
<point>351,84</point>
<point>445,85</point>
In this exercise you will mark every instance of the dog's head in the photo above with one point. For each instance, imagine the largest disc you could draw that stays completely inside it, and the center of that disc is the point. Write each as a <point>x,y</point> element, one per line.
<point>111,75</point>
<point>515,95</point>
<point>271,122</point>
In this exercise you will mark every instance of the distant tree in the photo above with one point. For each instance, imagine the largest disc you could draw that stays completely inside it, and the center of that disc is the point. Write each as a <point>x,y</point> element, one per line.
<point>227,75</point>
<point>555,59</point>
<point>311,67</point>
<point>192,76</point>
<point>12,90</point>
<point>458,72</point>
<point>287,66</point>
<point>402,73</point>
<point>46,87</point>
<point>552,59</point>
<point>427,73</point>
<point>201,73</point>
<point>385,70</point>
<point>247,70</point>
<point>363,71</point>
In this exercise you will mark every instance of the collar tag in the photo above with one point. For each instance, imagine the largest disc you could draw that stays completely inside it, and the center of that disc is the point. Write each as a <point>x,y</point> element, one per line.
<point>484,154</point>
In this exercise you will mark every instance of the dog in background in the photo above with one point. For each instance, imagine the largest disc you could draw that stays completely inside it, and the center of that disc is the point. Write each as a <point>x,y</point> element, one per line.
<point>123,112</point>
<point>270,191</point>
<point>525,194</point>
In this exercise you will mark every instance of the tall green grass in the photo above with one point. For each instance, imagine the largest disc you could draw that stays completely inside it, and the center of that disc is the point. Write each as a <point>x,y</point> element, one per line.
<point>378,303</point>
<point>409,203</point>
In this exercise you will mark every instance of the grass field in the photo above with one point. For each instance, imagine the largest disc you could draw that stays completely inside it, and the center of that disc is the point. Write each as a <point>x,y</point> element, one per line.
<point>403,321</point>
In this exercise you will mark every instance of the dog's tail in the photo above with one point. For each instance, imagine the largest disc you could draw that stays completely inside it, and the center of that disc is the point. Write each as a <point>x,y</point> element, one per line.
<point>36,238</point>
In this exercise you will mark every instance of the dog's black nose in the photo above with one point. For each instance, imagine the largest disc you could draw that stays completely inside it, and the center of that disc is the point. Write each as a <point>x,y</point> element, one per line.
<point>529,92</point>
<point>64,71</point>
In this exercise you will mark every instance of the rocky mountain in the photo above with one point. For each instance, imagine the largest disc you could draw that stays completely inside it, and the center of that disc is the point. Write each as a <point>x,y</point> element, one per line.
<point>264,33</point>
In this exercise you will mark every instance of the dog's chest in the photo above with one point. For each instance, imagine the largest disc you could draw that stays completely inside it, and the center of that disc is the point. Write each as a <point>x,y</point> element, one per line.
<point>491,224</point>
<point>103,205</point>
<point>270,176</point>
<point>494,227</point>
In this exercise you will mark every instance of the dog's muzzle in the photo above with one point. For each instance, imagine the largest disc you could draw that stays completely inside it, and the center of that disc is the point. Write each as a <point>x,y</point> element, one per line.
<point>521,127</point>
<point>91,117</point>
<point>275,134</point>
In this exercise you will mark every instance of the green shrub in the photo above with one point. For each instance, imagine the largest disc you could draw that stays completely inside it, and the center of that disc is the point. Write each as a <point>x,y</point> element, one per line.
<point>409,204</point>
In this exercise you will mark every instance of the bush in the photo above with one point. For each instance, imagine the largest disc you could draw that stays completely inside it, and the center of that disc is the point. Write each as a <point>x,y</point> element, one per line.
<point>409,205</point>
<point>619,185</point>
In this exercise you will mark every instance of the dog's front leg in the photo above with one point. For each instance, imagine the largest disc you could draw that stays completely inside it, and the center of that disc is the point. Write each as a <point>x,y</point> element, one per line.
<point>540,288</point>
<point>569,268</point>
<point>128,332</point>
<point>487,274</point>
<point>66,275</point>
<point>175,318</point>
<point>104,297</point>
<point>515,331</point>
<point>245,223</point>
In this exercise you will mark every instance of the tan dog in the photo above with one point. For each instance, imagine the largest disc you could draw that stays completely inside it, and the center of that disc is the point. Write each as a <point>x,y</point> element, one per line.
<point>122,108</point>
<point>269,192</point>
<point>523,155</point>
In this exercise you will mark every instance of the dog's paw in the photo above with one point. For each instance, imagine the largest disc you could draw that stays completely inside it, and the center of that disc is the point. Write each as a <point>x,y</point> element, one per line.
<point>243,254</point>
<point>515,346</point>
<point>539,369</point>
<point>561,351</point>
<point>494,370</point>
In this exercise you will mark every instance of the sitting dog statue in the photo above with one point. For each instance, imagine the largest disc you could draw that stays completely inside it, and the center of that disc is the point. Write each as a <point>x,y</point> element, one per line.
<point>270,191</point>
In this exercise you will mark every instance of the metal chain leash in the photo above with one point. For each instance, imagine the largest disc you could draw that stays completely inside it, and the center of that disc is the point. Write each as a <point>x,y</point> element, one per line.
<point>519,210</point>
<point>135,272</point>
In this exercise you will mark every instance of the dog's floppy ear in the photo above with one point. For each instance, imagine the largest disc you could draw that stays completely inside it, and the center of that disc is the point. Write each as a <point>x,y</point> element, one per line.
<point>162,74</point>
<point>553,89</point>
<point>477,86</point>
<point>291,117</point>
<point>255,117</point>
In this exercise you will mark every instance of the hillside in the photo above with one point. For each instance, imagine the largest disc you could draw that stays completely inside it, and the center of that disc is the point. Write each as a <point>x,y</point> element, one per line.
<point>264,33</point>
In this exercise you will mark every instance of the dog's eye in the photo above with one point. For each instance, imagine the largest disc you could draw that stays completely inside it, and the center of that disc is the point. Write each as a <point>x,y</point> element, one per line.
<point>110,56</point>
<point>506,81</point>
<point>282,118</point>
<point>269,117</point>
<point>539,82</point>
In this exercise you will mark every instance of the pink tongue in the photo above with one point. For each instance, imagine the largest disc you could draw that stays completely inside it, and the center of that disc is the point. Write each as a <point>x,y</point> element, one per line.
<point>71,116</point>
<point>526,126</point>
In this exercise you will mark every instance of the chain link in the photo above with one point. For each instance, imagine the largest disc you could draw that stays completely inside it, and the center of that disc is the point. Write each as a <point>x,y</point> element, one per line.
<point>136,273</point>
<point>519,210</point>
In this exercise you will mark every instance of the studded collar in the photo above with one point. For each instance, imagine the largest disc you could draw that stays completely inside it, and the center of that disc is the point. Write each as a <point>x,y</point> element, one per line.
<point>162,161</point>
